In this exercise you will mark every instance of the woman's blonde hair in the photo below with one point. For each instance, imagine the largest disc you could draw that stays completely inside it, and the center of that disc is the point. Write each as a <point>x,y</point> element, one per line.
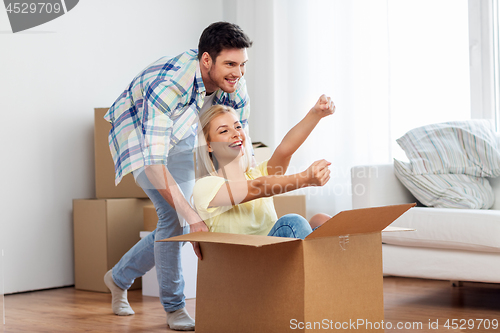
<point>206,163</point>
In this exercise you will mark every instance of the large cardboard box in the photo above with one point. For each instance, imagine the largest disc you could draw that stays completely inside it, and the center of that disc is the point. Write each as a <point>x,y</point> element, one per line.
<point>290,203</point>
<point>330,280</point>
<point>261,152</point>
<point>104,166</point>
<point>104,230</point>
<point>150,218</point>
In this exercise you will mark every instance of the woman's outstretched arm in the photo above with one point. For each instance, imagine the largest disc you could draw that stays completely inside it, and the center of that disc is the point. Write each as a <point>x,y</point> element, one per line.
<point>236,192</point>
<point>279,161</point>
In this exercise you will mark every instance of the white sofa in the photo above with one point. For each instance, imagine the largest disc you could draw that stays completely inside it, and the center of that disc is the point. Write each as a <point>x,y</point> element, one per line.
<point>447,244</point>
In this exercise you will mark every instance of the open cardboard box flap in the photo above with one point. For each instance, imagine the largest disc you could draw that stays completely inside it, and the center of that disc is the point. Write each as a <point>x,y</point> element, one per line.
<point>225,238</point>
<point>356,221</point>
<point>360,221</point>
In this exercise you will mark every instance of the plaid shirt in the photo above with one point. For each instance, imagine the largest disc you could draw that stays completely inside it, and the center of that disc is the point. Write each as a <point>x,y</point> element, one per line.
<point>157,109</point>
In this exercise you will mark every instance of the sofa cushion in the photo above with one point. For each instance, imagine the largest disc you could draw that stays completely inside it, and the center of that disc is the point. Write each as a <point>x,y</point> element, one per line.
<point>460,147</point>
<point>460,229</point>
<point>446,190</point>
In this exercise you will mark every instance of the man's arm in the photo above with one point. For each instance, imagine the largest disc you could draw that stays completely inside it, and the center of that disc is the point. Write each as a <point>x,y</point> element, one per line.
<point>165,184</point>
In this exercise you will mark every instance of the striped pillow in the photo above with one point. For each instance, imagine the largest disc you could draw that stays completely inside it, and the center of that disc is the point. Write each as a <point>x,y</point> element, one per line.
<point>446,190</point>
<point>459,147</point>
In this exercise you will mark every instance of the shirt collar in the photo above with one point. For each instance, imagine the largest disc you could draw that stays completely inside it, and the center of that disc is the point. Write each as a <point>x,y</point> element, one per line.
<point>200,86</point>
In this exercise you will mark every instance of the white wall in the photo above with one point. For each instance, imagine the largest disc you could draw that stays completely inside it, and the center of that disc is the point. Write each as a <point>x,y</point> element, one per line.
<point>256,18</point>
<point>51,79</point>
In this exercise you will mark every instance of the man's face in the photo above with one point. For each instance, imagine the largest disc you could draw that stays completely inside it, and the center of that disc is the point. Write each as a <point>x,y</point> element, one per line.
<point>226,70</point>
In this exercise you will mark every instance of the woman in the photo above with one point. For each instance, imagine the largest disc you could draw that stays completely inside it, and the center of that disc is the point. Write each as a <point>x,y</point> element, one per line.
<point>232,197</point>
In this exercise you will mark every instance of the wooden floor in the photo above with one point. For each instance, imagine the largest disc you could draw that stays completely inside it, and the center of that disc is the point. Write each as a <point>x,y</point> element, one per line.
<point>413,303</point>
<point>416,301</point>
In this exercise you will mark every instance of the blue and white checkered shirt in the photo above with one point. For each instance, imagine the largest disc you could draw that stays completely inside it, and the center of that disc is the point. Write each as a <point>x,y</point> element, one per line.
<point>158,108</point>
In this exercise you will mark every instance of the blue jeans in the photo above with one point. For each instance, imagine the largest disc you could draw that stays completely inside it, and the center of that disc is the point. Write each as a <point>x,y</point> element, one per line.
<point>166,256</point>
<point>292,226</point>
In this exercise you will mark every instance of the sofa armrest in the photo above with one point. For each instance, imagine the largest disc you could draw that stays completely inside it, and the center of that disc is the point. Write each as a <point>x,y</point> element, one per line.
<point>377,185</point>
<point>495,184</point>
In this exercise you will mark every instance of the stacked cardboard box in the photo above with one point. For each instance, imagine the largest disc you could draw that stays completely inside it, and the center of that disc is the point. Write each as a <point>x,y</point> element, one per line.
<point>104,230</point>
<point>261,152</point>
<point>107,226</point>
<point>105,168</point>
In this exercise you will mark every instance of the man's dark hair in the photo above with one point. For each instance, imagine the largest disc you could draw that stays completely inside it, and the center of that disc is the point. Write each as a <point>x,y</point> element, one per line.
<point>222,35</point>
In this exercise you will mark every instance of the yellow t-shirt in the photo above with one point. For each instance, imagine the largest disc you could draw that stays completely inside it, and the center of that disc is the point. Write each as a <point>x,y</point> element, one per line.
<point>255,217</point>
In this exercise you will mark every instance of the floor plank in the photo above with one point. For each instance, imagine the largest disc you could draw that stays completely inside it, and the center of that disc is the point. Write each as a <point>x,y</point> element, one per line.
<point>414,303</point>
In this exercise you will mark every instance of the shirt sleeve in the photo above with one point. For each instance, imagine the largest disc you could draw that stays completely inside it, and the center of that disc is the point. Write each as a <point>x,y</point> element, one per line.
<point>262,167</point>
<point>242,103</point>
<point>259,171</point>
<point>204,191</point>
<point>161,100</point>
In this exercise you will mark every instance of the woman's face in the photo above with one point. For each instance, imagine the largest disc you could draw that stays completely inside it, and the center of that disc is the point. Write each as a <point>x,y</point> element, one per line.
<point>226,137</point>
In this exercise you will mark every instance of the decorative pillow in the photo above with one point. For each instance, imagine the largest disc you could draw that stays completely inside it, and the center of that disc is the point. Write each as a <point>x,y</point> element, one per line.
<point>460,147</point>
<point>446,190</point>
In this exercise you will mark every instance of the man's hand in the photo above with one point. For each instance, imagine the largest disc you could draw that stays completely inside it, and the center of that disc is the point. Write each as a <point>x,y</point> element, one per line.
<point>323,107</point>
<point>196,227</point>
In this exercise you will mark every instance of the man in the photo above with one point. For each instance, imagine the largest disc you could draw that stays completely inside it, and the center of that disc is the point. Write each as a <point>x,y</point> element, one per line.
<point>153,136</point>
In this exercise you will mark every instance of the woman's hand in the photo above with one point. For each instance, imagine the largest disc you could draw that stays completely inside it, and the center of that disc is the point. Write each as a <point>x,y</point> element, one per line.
<point>317,174</point>
<point>323,107</point>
